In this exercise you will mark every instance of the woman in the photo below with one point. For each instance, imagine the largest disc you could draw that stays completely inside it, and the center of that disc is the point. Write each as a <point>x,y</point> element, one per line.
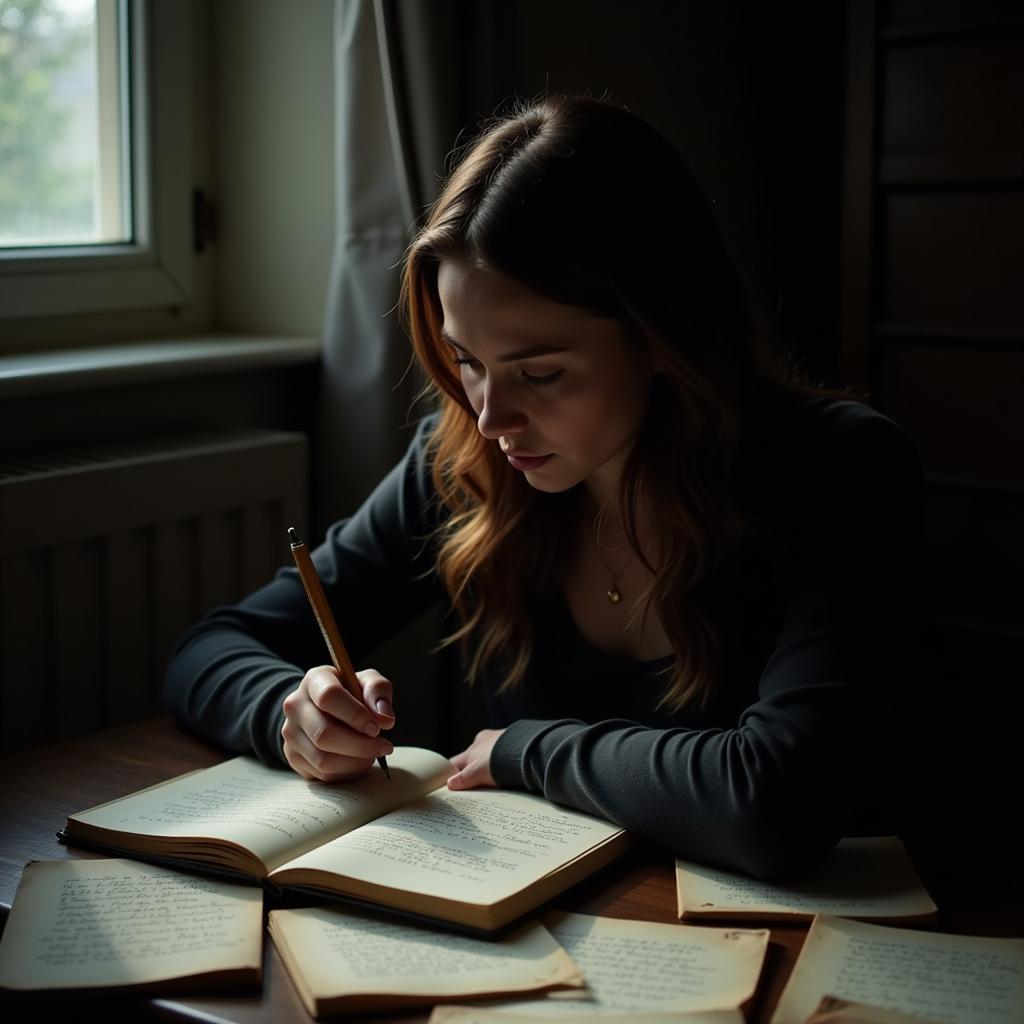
<point>678,578</point>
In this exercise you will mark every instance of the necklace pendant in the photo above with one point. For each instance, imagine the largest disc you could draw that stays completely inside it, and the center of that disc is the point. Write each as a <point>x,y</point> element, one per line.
<point>613,594</point>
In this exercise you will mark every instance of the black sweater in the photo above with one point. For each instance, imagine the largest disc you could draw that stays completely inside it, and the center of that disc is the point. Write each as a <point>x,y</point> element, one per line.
<point>789,754</point>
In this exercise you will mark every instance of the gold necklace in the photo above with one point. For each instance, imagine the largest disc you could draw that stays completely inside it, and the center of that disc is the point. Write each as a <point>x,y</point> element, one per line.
<point>613,592</point>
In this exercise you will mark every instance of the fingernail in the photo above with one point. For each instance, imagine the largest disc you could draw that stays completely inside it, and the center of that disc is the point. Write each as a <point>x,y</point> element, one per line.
<point>386,750</point>
<point>371,728</point>
<point>384,708</point>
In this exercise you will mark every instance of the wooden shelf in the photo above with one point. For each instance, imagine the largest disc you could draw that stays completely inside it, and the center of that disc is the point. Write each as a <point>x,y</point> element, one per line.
<point>914,35</point>
<point>926,335</point>
<point>926,170</point>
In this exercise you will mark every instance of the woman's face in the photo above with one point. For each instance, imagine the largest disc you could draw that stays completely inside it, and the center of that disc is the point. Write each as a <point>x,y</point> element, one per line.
<point>560,391</point>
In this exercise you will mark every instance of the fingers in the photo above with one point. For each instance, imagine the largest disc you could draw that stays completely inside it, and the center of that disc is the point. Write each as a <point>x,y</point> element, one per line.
<point>329,734</point>
<point>474,764</point>
<point>468,777</point>
<point>328,767</point>
<point>324,688</point>
<point>300,764</point>
<point>473,775</point>
<point>311,761</point>
<point>377,695</point>
<point>329,745</point>
<point>325,767</point>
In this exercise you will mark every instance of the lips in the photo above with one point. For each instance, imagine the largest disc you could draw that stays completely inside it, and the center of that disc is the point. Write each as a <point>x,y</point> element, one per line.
<point>524,463</point>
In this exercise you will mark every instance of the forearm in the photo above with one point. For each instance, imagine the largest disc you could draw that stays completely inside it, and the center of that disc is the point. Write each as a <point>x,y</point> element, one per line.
<point>718,796</point>
<point>231,672</point>
<point>229,689</point>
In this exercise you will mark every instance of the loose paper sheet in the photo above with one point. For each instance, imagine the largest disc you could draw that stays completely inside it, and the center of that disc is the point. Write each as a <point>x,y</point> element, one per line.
<point>101,923</point>
<point>861,877</point>
<point>477,846</point>
<point>956,978</point>
<point>270,811</point>
<point>640,967</point>
<point>833,1010</point>
<point>478,1015</point>
<point>341,952</point>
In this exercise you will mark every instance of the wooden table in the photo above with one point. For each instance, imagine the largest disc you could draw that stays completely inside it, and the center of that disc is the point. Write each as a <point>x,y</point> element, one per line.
<point>41,787</point>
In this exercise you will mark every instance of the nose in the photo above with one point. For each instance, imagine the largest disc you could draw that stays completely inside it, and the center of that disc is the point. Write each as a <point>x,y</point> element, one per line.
<point>498,415</point>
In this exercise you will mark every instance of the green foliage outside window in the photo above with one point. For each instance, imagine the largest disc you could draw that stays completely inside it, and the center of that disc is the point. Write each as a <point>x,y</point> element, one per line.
<point>43,190</point>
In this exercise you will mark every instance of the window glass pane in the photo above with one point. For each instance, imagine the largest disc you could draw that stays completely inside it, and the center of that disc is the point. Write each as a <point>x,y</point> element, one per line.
<point>63,123</point>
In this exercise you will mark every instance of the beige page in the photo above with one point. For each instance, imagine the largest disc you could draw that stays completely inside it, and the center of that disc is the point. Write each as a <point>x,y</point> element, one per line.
<point>861,877</point>
<point>833,1010</point>
<point>102,923</point>
<point>640,967</point>
<point>955,978</point>
<point>347,953</point>
<point>270,811</point>
<point>478,1015</point>
<point>475,846</point>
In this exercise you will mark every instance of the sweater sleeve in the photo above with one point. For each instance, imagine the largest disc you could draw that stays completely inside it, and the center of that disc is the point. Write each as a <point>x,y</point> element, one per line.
<point>229,674</point>
<point>773,791</point>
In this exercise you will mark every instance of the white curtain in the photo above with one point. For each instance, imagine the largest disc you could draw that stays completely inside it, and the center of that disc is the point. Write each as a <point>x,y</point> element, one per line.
<point>363,401</point>
<point>409,75</point>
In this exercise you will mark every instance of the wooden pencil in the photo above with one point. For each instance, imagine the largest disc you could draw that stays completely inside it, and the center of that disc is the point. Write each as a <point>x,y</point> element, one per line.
<point>328,627</point>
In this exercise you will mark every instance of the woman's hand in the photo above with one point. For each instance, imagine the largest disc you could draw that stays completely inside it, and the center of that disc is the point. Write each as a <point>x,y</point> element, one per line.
<point>329,734</point>
<point>474,763</point>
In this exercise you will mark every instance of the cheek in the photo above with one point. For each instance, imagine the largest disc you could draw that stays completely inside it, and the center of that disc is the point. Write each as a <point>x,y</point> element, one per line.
<point>628,398</point>
<point>608,417</point>
<point>583,423</point>
<point>474,393</point>
<point>609,407</point>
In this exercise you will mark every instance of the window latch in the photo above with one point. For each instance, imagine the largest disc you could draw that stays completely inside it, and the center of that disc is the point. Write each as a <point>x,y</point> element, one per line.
<point>204,220</point>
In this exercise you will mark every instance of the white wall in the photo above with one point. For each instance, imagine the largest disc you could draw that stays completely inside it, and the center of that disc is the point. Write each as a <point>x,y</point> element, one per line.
<point>273,157</point>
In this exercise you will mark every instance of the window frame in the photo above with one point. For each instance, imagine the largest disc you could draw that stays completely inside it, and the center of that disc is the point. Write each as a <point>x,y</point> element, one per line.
<point>156,269</point>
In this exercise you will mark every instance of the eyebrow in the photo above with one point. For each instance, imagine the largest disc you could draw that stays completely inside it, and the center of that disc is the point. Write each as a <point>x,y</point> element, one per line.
<point>510,357</point>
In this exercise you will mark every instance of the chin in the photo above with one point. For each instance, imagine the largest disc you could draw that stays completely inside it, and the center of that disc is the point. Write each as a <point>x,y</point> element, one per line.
<point>550,485</point>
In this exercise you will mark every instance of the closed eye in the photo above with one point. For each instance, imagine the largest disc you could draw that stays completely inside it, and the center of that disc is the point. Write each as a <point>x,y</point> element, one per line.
<point>545,381</point>
<point>542,381</point>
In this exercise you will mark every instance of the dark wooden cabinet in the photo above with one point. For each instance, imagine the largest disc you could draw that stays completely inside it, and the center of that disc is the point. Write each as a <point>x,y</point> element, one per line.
<point>933,330</point>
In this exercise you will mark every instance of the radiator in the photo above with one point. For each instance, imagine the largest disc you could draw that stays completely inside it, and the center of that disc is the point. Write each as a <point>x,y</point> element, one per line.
<point>108,552</point>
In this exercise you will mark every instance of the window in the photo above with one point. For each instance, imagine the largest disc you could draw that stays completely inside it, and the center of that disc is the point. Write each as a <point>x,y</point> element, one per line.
<point>95,164</point>
<point>64,172</point>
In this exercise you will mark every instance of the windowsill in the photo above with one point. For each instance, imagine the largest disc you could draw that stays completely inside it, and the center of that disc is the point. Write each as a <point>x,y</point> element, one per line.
<point>81,369</point>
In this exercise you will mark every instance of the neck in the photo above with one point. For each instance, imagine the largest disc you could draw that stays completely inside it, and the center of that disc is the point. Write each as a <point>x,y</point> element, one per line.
<point>607,517</point>
<point>603,493</point>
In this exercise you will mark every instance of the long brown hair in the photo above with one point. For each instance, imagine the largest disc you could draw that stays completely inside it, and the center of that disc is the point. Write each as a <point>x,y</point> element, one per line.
<point>586,204</point>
